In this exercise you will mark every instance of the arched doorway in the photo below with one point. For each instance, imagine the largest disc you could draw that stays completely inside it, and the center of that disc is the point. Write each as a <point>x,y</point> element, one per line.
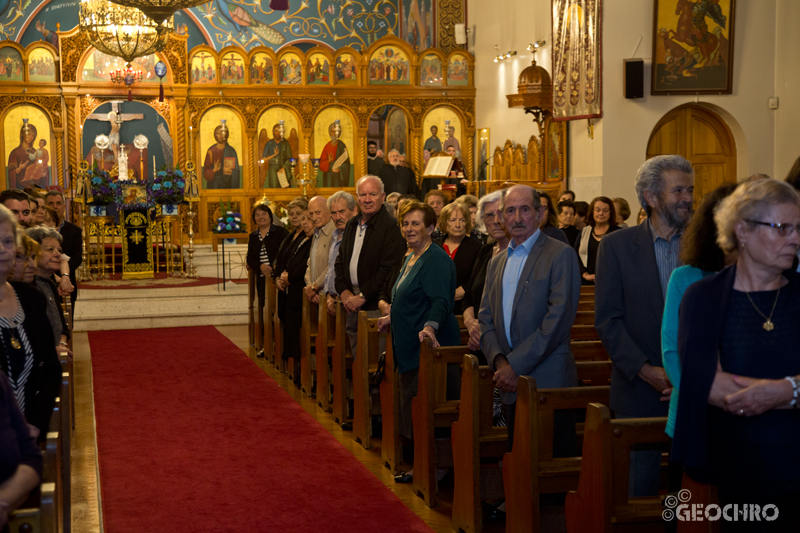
<point>703,138</point>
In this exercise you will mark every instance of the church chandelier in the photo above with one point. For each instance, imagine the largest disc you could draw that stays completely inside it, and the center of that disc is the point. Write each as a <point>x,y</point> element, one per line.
<point>122,31</point>
<point>160,10</point>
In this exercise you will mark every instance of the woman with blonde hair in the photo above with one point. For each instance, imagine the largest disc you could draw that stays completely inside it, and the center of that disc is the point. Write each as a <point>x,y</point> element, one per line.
<point>455,223</point>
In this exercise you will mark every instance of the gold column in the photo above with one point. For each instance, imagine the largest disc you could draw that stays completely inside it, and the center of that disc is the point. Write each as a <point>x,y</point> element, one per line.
<point>362,168</point>
<point>59,162</point>
<point>311,191</point>
<point>468,157</point>
<point>73,129</point>
<point>252,164</point>
<point>416,149</point>
<point>180,112</point>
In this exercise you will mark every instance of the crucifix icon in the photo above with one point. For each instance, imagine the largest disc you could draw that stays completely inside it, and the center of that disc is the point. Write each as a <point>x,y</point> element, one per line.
<point>137,237</point>
<point>115,118</point>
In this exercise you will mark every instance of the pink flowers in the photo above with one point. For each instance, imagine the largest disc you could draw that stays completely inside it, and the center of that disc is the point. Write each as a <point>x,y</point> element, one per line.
<point>387,11</point>
<point>330,9</point>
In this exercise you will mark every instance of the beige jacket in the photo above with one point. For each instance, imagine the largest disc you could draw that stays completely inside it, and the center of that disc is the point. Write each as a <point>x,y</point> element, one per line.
<point>320,248</point>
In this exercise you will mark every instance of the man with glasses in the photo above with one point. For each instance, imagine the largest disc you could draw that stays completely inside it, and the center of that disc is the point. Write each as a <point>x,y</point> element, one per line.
<point>371,246</point>
<point>632,275</point>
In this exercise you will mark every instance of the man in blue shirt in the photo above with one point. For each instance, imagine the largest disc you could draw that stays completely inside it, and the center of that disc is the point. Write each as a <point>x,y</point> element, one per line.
<point>528,308</point>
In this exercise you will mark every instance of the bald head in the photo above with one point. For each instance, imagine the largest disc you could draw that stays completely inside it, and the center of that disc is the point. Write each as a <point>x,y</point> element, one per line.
<point>318,211</point>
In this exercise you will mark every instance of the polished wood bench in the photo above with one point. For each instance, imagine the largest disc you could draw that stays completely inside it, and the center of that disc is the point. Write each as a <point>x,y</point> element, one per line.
<point>365,404</point>
<point>308,338</point>
<point>325,343</point>
<point>341,362</point>
<point>588,351</point>
<point>601,502</point>
<point>531,469</point>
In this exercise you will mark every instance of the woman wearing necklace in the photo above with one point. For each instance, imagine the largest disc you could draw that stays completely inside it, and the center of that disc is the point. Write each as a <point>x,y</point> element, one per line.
<point>455,222</point>
<point>738,422</point>
<point>422,305</point>
<point>599,224</point>
<point>27,346</point>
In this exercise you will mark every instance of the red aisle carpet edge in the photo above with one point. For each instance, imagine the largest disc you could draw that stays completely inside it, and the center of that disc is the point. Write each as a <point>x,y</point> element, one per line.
<point>193,437</point>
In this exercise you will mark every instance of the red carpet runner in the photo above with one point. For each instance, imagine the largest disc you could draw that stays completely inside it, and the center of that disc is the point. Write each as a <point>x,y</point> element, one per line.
<point>193,437</point>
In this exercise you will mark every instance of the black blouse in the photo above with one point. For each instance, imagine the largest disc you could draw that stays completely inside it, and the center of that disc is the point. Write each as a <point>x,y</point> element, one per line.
<point>464,259</point>
<point>16,444</point>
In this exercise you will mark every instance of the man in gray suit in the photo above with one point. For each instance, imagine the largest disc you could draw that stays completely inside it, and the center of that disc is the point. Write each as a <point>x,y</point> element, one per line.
<point>528,308</point>
<point>632,275</point>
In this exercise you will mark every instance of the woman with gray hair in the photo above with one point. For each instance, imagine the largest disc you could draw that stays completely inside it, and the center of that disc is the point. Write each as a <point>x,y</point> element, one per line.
<point>27,348</point>
<point>48,264</point>
<point>738,422</point>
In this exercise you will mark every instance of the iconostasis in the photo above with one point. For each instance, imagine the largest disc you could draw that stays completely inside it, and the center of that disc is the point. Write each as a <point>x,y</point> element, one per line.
<point>276,105</point>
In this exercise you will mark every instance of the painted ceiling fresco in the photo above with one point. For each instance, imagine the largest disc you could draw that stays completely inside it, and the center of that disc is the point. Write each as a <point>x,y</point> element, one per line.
<point>251,23</point>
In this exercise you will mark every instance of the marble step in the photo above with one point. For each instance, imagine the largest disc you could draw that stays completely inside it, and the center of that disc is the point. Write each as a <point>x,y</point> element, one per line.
<point>209,263</point>
<point>101,309</point>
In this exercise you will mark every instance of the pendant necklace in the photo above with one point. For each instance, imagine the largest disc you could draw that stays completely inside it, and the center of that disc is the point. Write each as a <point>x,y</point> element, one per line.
<point>768,325</point>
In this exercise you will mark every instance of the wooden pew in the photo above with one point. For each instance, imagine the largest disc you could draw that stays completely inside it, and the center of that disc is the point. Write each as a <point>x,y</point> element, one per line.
<point>341,361</point>
<point>531,469</point>
<point>365,364</point>
<point>601,502</point>
<point>594,373</point>
<point>252,320</point>
<point>280,364</point>
<point>430,409</point>
<point>41,519</point>
<point>587,291</point>
<point>270,306</point>
<point>581,332</point>
<point>584,318</point>
<point>585,305</point>
<point>52,468</point>
<point>65,430</point>
<point>391,449</point>
<point>474,437</point>
<point>308,337</point>
<point>588,351</point>
<point>325,343</point>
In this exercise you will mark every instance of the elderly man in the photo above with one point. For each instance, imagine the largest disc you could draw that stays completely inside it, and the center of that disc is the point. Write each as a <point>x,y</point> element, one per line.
<point>633,270</point>
<point>371,246</point>
<point>342,207</point>
<point>318,257</point>
<point>72,236</point>
<point>528,308</point>
<point>397,178</point>
<point>19,204</point>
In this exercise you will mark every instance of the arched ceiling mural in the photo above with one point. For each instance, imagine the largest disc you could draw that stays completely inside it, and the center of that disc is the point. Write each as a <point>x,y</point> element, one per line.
<point>251,23</point>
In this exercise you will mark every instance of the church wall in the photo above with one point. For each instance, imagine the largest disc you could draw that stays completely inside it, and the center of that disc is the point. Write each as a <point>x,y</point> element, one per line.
<point>607,163</point>
<point>787,86</point>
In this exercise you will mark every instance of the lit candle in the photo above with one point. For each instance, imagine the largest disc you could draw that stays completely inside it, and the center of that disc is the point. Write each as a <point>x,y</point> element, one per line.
<point>190,143</point>
<point>81,143</point>
<point>154,167</point>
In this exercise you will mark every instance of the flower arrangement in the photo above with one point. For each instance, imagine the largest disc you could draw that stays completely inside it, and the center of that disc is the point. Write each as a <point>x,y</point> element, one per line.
<point>168,186</point>
<point>282,214</point>
<point>103,188</point>
<point>230,221</point>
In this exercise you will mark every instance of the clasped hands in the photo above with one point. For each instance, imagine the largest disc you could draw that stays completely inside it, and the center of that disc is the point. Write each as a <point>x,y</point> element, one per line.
<point>312,293</point>
<point>504,376</point>
<point>745,396</point>
<point>352,302</point>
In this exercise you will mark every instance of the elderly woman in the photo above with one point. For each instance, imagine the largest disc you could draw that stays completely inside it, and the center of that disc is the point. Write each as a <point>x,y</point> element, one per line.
<point>28,357</point>
<point>437,199</point>
<point>20,458</point>
<point>422,304</point>
<point>292,280</point>
<point>455,223</point>
<point>600,223</point>
<point>48,264</point>
<point>566,217</point>
<point>262,249</point>
<point>296,208</point>
<point>488,217</point>
<point>738,422</point>
<point>623,211</point>
<point>25,260</point>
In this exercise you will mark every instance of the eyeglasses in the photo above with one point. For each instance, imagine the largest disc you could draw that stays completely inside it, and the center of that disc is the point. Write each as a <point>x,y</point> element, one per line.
<point>784,230</point>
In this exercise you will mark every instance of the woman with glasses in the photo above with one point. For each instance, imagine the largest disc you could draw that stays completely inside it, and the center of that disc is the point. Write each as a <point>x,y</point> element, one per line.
<point>600,222</point>
<point>738,422</point>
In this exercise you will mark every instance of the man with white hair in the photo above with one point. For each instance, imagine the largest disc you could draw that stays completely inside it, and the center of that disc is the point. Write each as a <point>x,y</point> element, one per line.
<point>371,246</point>
<point>527,311</point>
<point>342,207</point>
<point>318,256</point>
<point>632,275</point>
<point>397,178</point>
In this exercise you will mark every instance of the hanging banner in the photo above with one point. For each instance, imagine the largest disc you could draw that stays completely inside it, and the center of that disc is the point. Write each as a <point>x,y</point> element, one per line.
<point>577,59</point>
<point>137,244</point>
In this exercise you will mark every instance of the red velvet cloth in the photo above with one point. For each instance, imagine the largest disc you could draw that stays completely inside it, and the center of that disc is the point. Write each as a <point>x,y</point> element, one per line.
<point>193,436</point>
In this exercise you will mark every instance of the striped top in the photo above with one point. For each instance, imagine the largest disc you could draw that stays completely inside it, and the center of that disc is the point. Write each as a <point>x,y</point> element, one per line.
<point>18,362</point>
<point>667,256</point>
<point>263,255</point>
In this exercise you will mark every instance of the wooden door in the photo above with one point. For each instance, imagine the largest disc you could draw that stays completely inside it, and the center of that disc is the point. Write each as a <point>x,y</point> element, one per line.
<point>703,138</point>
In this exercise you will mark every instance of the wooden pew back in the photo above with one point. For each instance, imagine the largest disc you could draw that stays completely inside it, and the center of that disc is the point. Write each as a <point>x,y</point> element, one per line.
<point>252,304</point>
<point>474,436</point>
<point>341,360</point>
<point>40,519</point>
<point>530,469</point>
<point>308,336</point>
<point>391,450</point>
<point>601,502</point>
<point>326,326</point>
<point>431,409</point>
<point>268,316</point>
<point>366,362</point>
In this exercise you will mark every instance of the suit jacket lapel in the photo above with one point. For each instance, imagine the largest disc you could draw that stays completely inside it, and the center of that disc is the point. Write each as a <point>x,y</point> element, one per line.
<point>536,251</point>
<point>646,260</point>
